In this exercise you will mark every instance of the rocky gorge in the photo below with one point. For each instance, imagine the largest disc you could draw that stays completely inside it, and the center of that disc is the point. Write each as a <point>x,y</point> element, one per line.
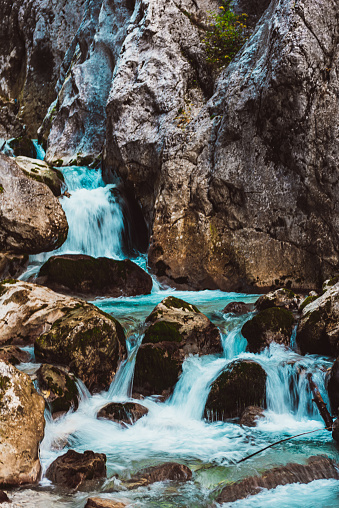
<point>148,197</point>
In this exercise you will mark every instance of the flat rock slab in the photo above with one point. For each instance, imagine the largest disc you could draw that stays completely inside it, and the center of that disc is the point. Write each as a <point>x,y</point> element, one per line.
<point>123,412</point>
<point>87,276</point>
<point>317,468</point>
<point>73,468</point>
<point>170,471</point>
<point>99,502</point>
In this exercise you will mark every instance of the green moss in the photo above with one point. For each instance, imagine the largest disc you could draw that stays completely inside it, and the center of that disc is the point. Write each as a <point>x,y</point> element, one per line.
<point>307,300</point>
<point>1,189</point>
<point>331,282</point>
<point>171,302</point>
<point>156,370</point>
<point>4,283</point>
<point>289,293</point>
<point>163,331</point>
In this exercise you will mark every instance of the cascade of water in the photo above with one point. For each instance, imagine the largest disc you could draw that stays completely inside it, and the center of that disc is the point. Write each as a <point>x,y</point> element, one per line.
<point>40,152</point>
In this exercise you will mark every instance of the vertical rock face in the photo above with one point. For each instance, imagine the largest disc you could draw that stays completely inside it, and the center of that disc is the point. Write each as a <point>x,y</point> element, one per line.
<point>21,427</point>
<point>75,126</point>
<point>34,36</point>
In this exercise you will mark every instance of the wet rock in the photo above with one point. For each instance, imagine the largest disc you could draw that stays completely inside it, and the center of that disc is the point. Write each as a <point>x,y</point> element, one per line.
<point>317,468</point>
<point>42,172</point>
<point>318,329</point>
<point>72,469</point>
<point>23,146</point>
<point>242,384</point>
<point>310,298</point>
<point>175,330</point>
<point>12,265</point>
<point>164,472</point>
<point>333,387</point>
<point>85,275</point>
<point>238,308</point>
<point>4,498</point>
<point>123,412</point>
<point>251,415</point>
<point>58,388</point>
<point>31,218</point>
<point>14,355</point>
<point>335,430</point>
<point>330,283</point>
<point>88,341</point>
<point>269,325</point>
<point>21,427</point>
<point>282,297</point>
<point>98,502</point>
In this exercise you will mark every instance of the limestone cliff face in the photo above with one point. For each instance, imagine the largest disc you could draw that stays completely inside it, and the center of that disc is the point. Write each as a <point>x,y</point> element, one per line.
<point>34,36</point>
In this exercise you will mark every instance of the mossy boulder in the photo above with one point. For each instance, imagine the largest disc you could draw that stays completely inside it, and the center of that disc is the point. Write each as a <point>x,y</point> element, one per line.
<point>42,172</point>
<point>23,146</point>
<point>270,325</point>
<point>21,427</point>
<point>318,329</point>
<point>88,341</point>
<point>14,355</point>
<point>174,330</point>
<point>58,388</point>
<point>241,384</point>
<point>282,297</point>
<point>85,275</point>
<point>123,412</point>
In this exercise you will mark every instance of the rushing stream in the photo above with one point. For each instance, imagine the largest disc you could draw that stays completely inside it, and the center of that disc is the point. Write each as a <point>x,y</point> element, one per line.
<point>175,430</point>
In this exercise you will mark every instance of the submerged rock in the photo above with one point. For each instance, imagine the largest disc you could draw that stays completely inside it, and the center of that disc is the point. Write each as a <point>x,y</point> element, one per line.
<point>169,471</point>
<point>333,387</point>
<point>21,427</point>
<point>99,502</point>
<point>251,415</point>
<point>88,341</point>
<point>58,388</point>
<point>269,325</point>
<point>73,468</point>
<point>42,172</point>
<point>238,308</point>
<point>176,329</point>
<point>123,412</point>
<point>318,329</point>
<point>242,384</point>
<point>12,265</point>
<point>14,355</point>
<point>85,275</point>
<point>31,218</point>
<point>317,468</point>
<point>282,297</point>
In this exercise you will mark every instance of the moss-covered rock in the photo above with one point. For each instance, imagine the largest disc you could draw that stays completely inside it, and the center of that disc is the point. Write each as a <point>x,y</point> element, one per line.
<point>309,299</point>
<point>174,330</point>
<point>58,388</point>
<point>85,275</point>
<point>88,341</point>
<point>123,412</point>
<point>318,329</point>
<point>242,384</point>
<point>42,172</point>
<point>21,427</point>
<point>282,297</point>
<point>270,325</point>
<point>23,146</point>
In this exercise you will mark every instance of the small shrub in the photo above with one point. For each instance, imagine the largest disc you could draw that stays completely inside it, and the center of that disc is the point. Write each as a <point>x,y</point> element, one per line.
<point>226,35</point>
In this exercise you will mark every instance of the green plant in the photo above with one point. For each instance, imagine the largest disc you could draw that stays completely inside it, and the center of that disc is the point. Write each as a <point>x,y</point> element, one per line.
<point>226,34</point>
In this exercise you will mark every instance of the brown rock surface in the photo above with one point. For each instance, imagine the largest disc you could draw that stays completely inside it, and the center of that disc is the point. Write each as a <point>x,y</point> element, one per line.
<point>99,502</point>
<point>282,297</point>
<point>169,471</point>
<point>14,355</point>
<point>251,415</point>
<point>123,412</point>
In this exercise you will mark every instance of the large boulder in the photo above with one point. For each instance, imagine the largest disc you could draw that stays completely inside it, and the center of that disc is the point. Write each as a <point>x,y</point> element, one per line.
<point>31,218</point>
<point>42,172</point>
<point>88,341</point>
<point>164,472</point>
<point>270,325</point>
<point>85,275</point>
<point>175,330</point>
<point>72,469</point>
<point>242,384</point>
<point>318,329</point>
<point>282,297</point>
<point>58,388</point>
<point>317,468</point>
<point>122,412</point>
<point>21,427</point>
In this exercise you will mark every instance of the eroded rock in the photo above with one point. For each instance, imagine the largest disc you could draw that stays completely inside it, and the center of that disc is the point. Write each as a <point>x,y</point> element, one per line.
<point>176,329</point>
<point>85,275</point>
<point>123,412</point>
<point>31,218</point>
<point>58,388</point>
<point>317,468</point>
<point>282,297</point>
<point>318,329</point>
<point>270,325</point>
<point>242,384</point>
<point>22,426</point>
<point>72,469</point>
